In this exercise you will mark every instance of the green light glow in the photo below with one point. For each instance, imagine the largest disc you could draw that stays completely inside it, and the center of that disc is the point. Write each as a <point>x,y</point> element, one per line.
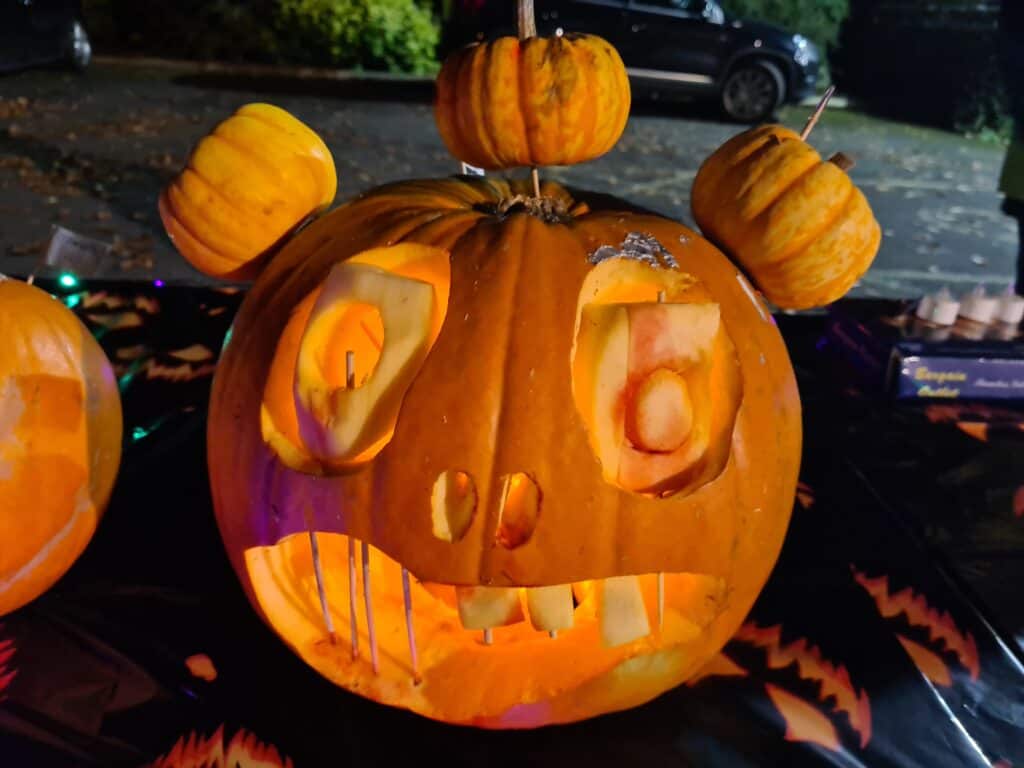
<point>67,280</point>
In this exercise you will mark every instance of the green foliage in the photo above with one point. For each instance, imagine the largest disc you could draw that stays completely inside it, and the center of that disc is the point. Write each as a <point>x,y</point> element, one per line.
<point>926,61</point>
<point>398,35</point>
<point>817,20</point>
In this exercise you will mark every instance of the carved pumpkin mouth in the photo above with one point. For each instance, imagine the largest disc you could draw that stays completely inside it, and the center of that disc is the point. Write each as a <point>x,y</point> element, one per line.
<point>543,640</point>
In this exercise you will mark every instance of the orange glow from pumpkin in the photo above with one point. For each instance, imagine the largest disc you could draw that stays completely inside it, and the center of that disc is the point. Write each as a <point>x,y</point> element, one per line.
<point>525,665</point>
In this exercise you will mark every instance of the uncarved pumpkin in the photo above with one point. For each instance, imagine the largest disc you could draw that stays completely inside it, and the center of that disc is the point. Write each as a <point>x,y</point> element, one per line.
<point>535,408</point>
<point>247,184</point>
<point>60,440</point>
<point>796,224</point>
<point>539,101</point>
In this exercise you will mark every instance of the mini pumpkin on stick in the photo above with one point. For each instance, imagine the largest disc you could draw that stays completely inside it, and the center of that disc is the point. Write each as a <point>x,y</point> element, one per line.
<point>797,224</point>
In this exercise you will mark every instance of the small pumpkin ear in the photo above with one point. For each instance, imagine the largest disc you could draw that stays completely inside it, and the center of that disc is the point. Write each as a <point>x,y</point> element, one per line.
<point>259,175</point>
<point>798,225</point>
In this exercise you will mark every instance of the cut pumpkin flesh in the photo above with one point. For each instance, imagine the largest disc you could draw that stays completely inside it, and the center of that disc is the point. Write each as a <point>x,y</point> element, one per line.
<point>488,607</point>
<point>572,672</point>
<point>656,383</point>
<point>348,354</point>
<point>550,608</point>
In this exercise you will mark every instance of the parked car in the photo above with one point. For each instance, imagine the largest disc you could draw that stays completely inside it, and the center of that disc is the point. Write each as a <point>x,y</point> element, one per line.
<point>35,33</point>
<point>673,47</point>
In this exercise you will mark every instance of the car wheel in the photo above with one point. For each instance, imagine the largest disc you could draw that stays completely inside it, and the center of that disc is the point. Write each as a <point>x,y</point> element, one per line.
<point>752,91</point>
<point>79,47</point>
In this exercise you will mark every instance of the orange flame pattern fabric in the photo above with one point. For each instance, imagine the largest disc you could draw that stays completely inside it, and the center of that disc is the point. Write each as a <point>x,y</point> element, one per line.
<point>244,751</point>
<point>7,671</point>
<point>834,681</point>
<point>940,626</point>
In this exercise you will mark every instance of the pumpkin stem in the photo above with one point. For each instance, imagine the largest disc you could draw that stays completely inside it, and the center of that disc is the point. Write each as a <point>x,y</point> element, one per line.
<point>527,21</point>
<point>813,119</point>
<point>844,161</point>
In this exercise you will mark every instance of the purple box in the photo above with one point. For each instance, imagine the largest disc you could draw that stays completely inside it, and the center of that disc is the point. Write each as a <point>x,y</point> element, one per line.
<point>891,352</point>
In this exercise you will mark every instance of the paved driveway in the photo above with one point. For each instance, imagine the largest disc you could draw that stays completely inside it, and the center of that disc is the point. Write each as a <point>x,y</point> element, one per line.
<point>91,153</point>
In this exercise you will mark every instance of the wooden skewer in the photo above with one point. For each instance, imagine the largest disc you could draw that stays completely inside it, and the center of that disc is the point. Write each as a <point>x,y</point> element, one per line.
<point>813,119</point>
<point>526,22</point>
<point>367,594</point>
<point>350,382</point>
<point>407,597</point>
<point>553,634</point>
<point>661,600</point>
<point>353,619</point>
<point>488,637</point>
<point>661,576</point>
<point>318,573</point>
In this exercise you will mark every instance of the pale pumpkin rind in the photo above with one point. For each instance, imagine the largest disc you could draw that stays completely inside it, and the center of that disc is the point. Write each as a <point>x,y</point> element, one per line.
<point>797,224</point>
<point>251,181</point>
<point>539,101</point>
<point>493,398</point>
<point>60,440</point>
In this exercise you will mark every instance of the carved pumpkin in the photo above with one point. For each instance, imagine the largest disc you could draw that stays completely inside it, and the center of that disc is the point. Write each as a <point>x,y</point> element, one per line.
<point>796,224</point>
<point>538,101</point>
<point>533,408</point>
<point>60,440</point>
<point>245,186</point>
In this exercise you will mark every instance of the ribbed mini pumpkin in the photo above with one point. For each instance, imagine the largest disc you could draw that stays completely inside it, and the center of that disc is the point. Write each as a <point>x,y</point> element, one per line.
<point>797,224</point>
<point>254,178</point>
<point>532,101</point>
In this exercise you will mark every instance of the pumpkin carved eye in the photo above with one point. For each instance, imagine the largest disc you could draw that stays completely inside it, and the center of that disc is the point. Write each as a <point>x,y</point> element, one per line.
<point>655,378</point>
<point>349,353</point>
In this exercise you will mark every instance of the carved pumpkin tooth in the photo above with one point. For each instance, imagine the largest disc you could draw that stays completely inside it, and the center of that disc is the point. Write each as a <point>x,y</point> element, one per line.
<point>621,611</point>
<point>550,608</point>
<point>488,607</point>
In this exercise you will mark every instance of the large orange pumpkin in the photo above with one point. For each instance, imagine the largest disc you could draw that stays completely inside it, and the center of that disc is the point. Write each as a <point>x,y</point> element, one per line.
<point>60,440</point>
<point>797,224</point>
<point>259,173</point>
<point>533,407</point>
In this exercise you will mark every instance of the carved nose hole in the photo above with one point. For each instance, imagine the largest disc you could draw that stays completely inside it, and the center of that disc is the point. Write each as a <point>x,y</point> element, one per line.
<point>453,504</point>
<point>520,508</point>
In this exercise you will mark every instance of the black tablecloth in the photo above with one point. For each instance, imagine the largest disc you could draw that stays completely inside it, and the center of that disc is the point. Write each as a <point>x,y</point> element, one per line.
<point>884,637</point>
